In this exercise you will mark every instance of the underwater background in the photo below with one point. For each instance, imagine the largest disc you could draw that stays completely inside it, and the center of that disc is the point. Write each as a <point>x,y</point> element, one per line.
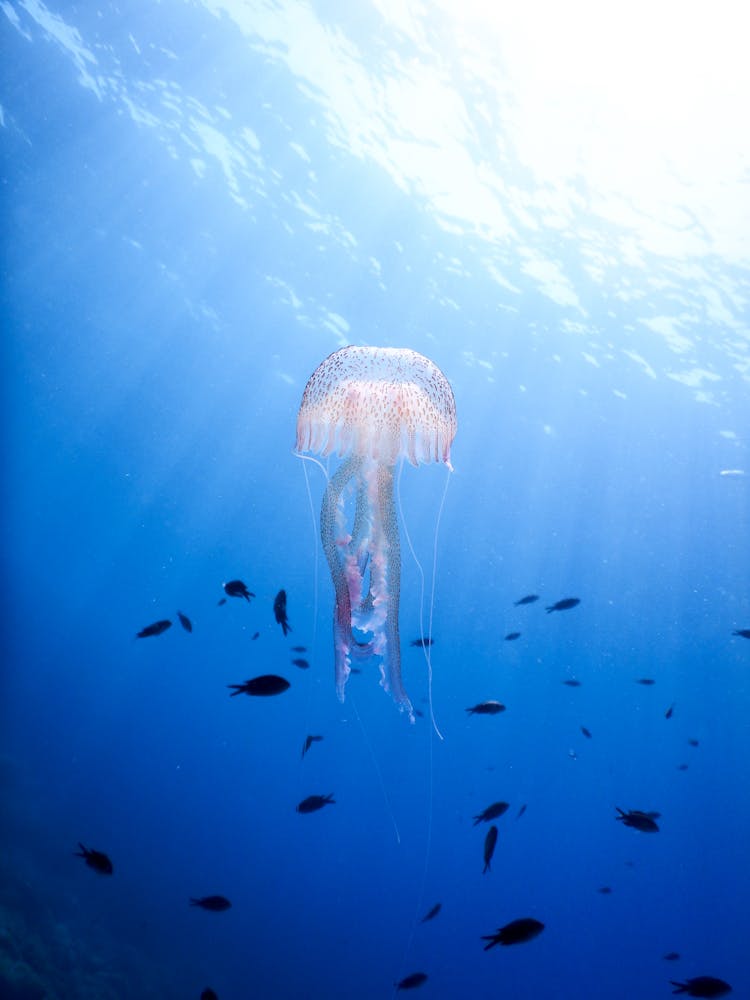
<point>202,201</point>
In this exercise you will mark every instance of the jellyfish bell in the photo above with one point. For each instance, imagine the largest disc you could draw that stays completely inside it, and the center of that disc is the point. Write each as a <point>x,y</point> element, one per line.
<point>381,403</point>
<point>371,407</point>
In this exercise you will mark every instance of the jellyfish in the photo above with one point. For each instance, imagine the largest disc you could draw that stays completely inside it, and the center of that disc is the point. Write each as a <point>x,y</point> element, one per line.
<point>372,407</point>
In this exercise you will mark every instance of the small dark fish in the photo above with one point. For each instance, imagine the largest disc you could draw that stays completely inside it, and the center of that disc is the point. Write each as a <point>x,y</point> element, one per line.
<point>222,601</point>
<point>185,622</point>
<point>491,812</point>
<point>516,932</point>
<point>299,649</point>
<point>669,712</point>
<point>209,994</point>
<point>605,890</point>
<point>155,629</point>
<point>279,611</point>
<point>511,636</point>
<point>431,914</point>
<point>254,636</point>
<point>309,740</point>
<point>646,681</point>
<point>744,633</point>
<point>586,732</point>
<point>671,956</point>
<point>565,604</point>
<point>95,859</point>
<point>572,683</point>
<point>302,664</point>
<point>521,811</point>
<point>489,848</point>
<point>355,670</point>
<point>694,743</point>
<point>422,642</point>
<point>411,982</point>
<point>486,708</point>
<point>702,986</point>
<point>529,599</point>
<point>314,802</point>
<point>216,904</point>
<point>638,820</point>
<point>682,767</point>
<point>236,588</point>
<point>266,684</point>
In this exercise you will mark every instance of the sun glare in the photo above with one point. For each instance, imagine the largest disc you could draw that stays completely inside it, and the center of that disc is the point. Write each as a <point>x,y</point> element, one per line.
<point>639,99</point>
<point>671,65</point>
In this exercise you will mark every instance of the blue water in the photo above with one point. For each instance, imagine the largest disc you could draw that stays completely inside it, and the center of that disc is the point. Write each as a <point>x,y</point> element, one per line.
<point>201,202</point>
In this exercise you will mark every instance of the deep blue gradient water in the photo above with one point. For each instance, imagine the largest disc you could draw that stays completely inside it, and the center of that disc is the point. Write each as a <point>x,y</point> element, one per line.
<point>202,201</point>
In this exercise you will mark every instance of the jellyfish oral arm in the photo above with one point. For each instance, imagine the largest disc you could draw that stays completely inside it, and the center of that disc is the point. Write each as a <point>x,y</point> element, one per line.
<point>372,545</point>
<point>385,585</point>
<point>336,553</point>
